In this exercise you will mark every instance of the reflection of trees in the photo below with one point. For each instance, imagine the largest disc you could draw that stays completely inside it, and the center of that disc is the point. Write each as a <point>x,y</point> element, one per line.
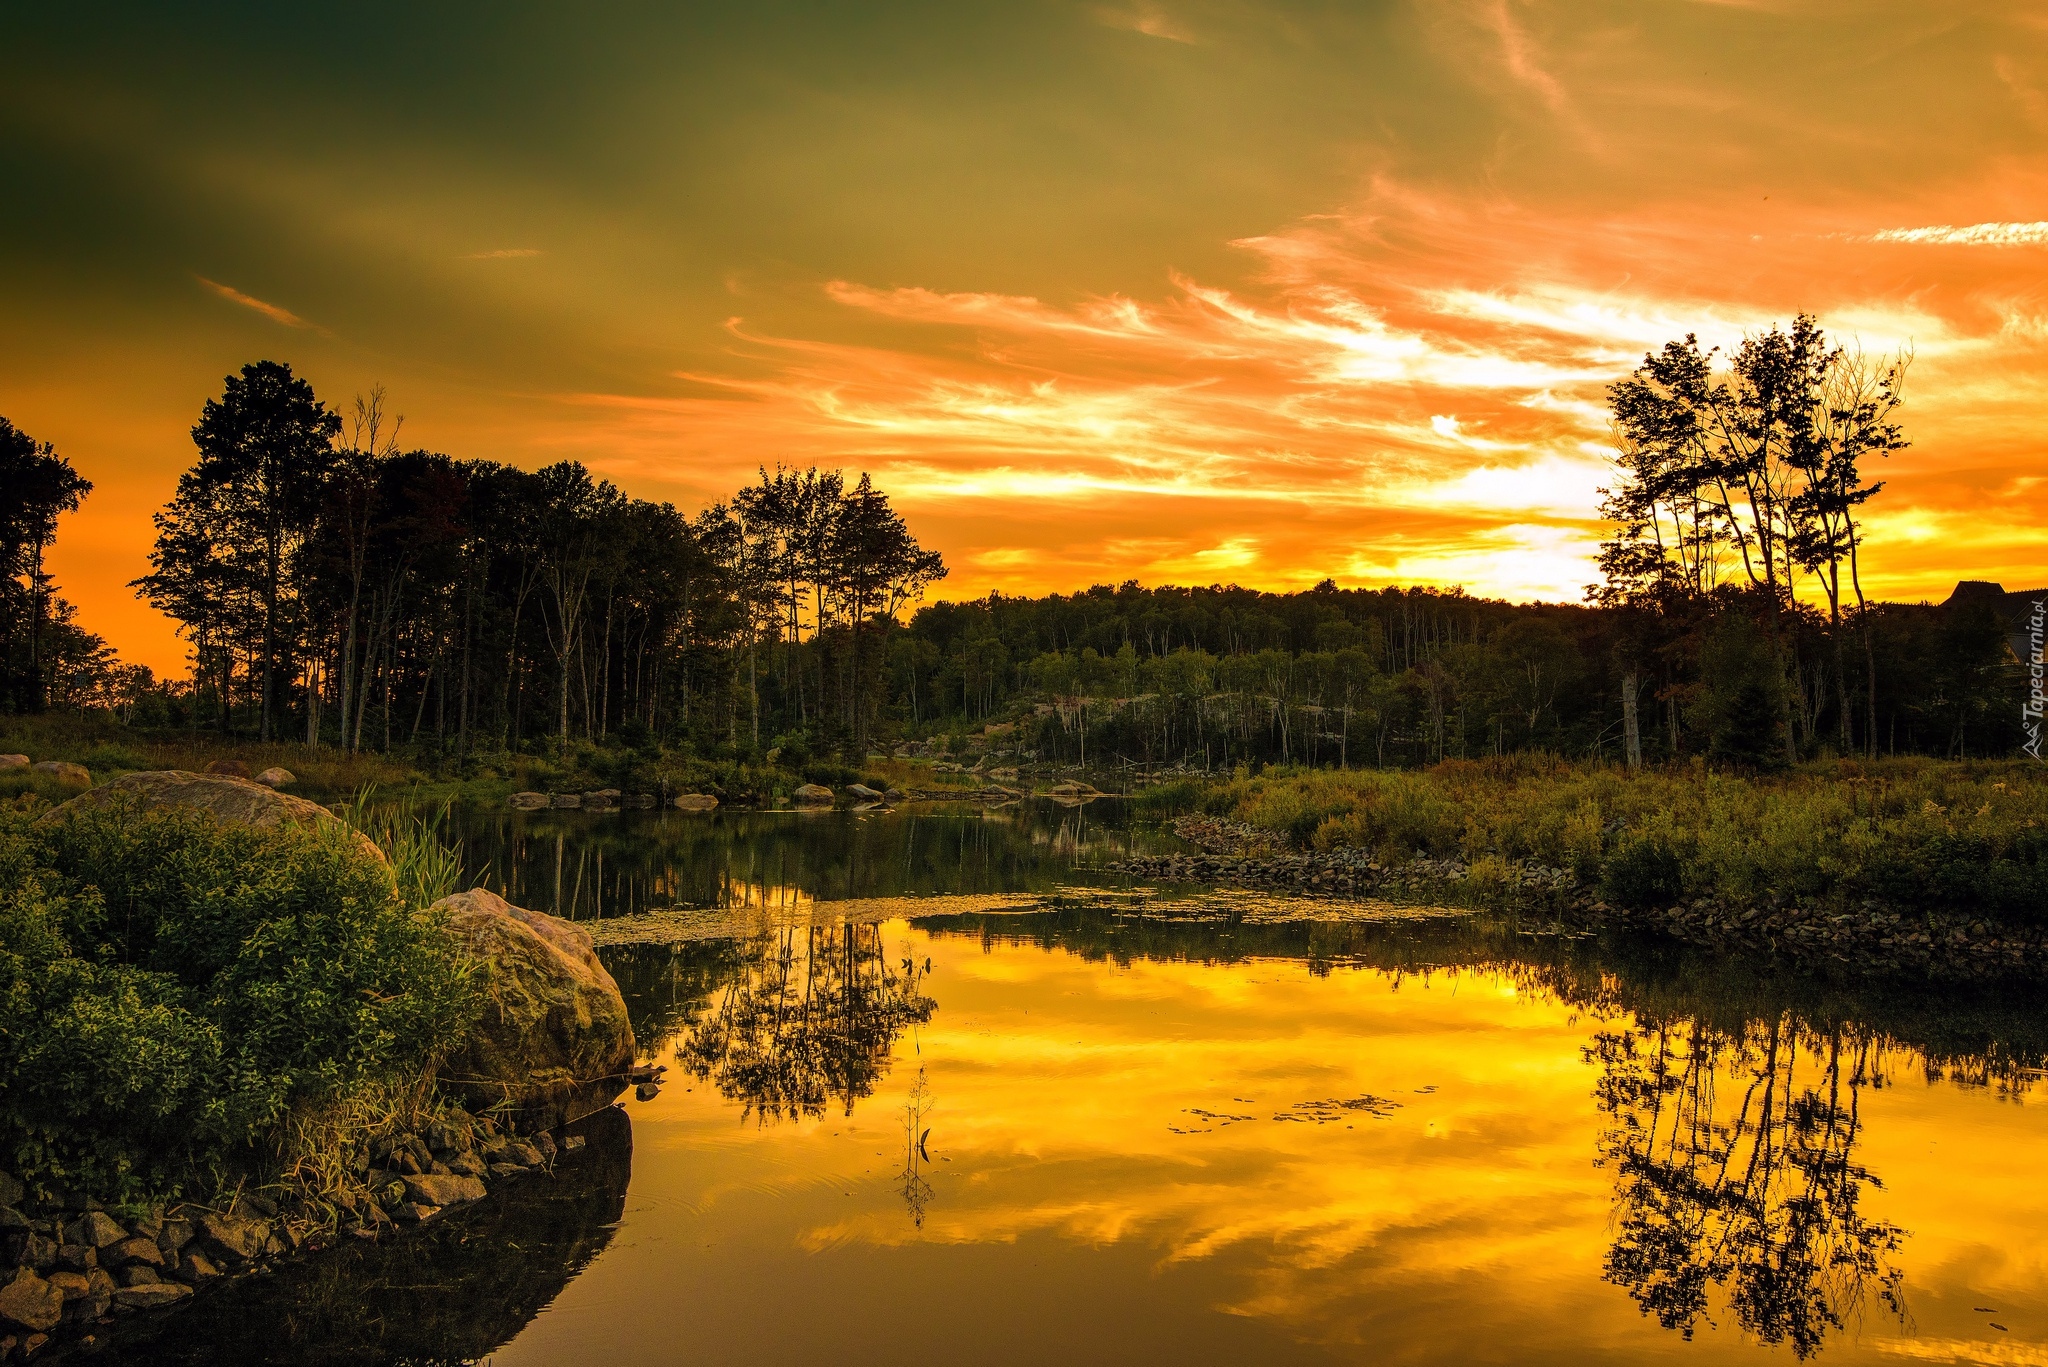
<point>810,1015</point>
<point>1733,1159</point>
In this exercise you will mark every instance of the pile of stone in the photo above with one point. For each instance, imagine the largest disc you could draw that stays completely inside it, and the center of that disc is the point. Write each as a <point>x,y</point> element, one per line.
<point>73,1265</point>
<point>600,800</point>
<point>68,1267</point>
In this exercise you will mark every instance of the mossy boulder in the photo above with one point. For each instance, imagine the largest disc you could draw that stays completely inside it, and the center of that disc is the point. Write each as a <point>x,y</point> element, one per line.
<point>230,801</point>
<point>553,1043</point>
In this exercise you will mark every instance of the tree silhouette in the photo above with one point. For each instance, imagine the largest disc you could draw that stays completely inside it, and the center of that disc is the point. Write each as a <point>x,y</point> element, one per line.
<point>1733,1156</point>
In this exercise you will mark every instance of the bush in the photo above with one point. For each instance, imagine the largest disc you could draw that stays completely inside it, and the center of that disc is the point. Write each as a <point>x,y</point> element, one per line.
<point>170,989</point>
<point>1642,873</point>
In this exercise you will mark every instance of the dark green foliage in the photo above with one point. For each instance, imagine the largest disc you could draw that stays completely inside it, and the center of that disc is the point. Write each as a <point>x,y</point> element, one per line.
<point>170,988</point>
<point>1740,709</point>
<point>1644,872</point>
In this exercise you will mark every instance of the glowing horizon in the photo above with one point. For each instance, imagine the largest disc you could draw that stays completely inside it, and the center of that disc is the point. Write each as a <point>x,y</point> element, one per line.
<point>1182,293</point>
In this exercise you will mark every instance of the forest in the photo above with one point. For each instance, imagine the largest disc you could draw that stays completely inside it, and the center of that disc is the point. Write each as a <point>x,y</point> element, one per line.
<point>340,589</point>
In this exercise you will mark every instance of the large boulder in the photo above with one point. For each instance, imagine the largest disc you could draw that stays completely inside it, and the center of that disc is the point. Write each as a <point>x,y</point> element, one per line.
<point>227,768</point>
<point>527,802</point>
<point>813,795</point>
<point>230,801</point>
<point>13,762</point>
<point>277,777</point>
<point>695,802</point>
<point>64,771</point>
<point>554,1043</point>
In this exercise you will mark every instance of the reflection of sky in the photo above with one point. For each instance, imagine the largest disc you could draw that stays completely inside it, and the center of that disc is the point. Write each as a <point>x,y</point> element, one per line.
<point>1070,1223</point>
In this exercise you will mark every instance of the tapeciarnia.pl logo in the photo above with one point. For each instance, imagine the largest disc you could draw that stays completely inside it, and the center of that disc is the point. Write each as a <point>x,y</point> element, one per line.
<point>2037,667</point>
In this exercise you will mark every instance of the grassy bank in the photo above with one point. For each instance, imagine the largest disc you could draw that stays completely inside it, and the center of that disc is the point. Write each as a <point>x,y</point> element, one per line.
<point>108,750</point>
<point>1964,840</point>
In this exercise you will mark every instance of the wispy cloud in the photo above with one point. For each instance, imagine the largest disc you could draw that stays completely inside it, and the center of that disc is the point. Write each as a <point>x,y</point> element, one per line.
<point>1150,20</point>
<point>1972,235</point>
<point>503,254</point>
<point>249,301</point>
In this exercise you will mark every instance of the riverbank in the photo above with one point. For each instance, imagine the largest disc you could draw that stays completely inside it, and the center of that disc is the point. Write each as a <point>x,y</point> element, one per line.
<point>1896,867</point>
<point>234,1029</point>
<point>487,776</point>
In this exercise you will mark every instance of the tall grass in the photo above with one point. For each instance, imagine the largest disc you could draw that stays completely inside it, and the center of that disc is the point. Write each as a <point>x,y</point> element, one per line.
<point>424,864</point>
<point>1914,832</point>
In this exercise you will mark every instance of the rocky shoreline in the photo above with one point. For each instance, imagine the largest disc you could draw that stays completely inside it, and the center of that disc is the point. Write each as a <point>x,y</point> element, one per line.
<point>553,1045</point>
<point>1863,938</point>
<point>71,1270</point>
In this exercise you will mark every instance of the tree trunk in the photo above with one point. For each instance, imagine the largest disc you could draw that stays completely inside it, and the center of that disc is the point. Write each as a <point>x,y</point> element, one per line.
<point>1631,729</point>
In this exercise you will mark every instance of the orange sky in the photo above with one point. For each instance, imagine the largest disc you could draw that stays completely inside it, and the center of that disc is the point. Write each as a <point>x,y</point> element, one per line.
<point>1192,293</point>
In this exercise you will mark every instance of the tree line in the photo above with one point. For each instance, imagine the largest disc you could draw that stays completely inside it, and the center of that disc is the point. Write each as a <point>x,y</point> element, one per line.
<point>339,588</point>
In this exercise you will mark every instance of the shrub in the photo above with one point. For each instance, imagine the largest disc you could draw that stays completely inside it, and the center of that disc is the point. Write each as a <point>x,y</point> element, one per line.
<point>170,989</point>
<point>1642,873</point>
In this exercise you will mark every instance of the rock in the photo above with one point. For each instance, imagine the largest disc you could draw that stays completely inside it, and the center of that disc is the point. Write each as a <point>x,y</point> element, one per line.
<point>502,1170</point>
<point>603,797</point>
<point>176,1234</point>
<point>64,771</point>
<point>435,1190</point>
<point>527,802</point>
<point>39,1252</point>
<point>135,1274</point>
<point>554,1038</point>
<point>524,1154</point>
<point>812,795</point>
<point>569,801</point>
<point>13,762</point>
<point>195,1267</point>
<point>137,1249</point>
<point>77,1257</point>
<point>230,801</point>
<point>226,768</point>
<point>863,792</point>
<point>95,1228</point>
<point>233,1237</point>
<point>462,1165</point>
<point>150,1296</point>
<point>276,777</point>
<point>895,795</point>
<point>696,802</point>
<point>73,1286</point>
<point>11,1190</point>
<point>412,1213</point>
<point>31,1302</point>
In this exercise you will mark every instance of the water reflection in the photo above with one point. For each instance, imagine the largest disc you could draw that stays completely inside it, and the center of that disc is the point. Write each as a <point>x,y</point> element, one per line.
<point>450,1292</point>
<point>587,864</point>
<point>805,1017</point>
<point>1735,1171</point>
<point>1570,1146</point>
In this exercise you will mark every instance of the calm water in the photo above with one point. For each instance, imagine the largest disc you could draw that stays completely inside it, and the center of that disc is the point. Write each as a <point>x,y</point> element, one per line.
<point>1077,1137</point>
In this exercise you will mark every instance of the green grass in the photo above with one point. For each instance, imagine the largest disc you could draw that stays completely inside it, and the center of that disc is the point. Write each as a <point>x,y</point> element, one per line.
<point>1911,833</point>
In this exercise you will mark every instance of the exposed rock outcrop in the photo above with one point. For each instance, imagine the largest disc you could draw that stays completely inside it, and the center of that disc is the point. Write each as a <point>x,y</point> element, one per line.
<point>233,801</point>
<point>554,1042</point>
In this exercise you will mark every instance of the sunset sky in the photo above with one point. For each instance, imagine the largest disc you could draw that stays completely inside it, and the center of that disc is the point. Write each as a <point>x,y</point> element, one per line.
<point>1188,292</point>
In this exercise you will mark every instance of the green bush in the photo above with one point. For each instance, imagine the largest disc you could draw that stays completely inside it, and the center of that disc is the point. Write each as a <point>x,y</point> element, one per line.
<point>1642,873</point>
<point>170,989</point>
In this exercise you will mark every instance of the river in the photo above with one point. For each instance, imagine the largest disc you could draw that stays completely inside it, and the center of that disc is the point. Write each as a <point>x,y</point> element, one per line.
<point>1068,1129</point>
